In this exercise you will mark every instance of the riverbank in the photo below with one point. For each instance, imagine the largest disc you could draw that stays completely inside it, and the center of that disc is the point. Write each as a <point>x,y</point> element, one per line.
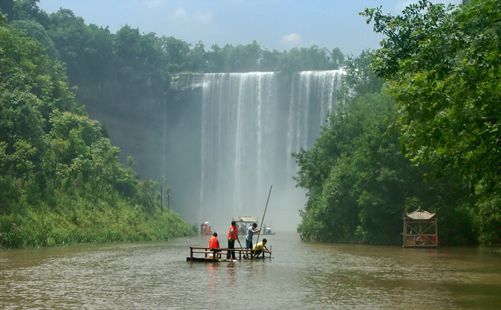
<point>83,222</point>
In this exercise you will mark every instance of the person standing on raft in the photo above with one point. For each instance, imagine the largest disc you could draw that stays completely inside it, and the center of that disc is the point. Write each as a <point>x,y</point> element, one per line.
<point>232,236</point>
<point>250,233</point>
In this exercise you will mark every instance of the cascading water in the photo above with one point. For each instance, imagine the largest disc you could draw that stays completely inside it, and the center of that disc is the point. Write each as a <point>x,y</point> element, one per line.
<point>313,98</point>
<point>250,124</point>
<point>236,110</point>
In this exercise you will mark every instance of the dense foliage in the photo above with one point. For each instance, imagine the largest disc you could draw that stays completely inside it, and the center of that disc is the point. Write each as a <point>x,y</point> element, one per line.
<point>61,179</point>
<point>444,68</point>
<point>429,139</point>
<point>360,183</point>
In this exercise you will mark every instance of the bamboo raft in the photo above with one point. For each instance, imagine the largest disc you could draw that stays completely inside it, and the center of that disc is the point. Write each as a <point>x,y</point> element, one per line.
<point>200,254</point>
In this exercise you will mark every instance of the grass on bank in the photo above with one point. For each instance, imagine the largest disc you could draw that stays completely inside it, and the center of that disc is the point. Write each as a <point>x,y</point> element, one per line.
<point>77,220</point>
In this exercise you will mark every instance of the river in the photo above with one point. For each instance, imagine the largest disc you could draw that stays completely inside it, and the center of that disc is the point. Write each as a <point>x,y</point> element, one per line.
<point>299,276</point>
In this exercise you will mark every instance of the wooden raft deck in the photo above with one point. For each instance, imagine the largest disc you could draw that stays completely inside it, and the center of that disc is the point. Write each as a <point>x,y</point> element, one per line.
<point>200,254</point>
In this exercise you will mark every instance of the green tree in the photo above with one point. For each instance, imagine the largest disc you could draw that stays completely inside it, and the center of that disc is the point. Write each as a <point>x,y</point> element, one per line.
<point>86,50</point>
<point>61,179</point>
<point>444,66</point>
<point>312,58</point>
<point>141,63</point>
<point>359,176</point>
<point>177,52</point>
<point>198,58</point>
<point>358,181</point>
<point>7,8</point>
<point>29,10</point>
<point>35,30</point>
<point>337,58</point>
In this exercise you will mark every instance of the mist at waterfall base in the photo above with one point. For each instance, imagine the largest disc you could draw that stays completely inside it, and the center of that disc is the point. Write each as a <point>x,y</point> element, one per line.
<point>241,143</point>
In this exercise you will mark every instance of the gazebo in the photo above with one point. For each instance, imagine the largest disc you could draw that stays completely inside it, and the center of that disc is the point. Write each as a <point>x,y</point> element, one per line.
<point>244,222</point>
<point>420,230</point>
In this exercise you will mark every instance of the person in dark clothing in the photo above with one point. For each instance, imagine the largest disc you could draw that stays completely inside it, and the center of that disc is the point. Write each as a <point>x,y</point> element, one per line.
<point>232,236</point>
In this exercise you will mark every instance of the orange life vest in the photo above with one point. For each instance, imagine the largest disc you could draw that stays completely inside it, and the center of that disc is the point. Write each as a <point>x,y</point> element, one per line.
<point>213,243</point>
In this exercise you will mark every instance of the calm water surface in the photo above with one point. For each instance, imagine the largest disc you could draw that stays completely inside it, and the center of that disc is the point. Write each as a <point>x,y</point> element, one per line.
<point>300,276</point>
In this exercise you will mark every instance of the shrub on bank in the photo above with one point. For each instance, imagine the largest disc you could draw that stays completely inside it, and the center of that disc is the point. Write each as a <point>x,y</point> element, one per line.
<point>83,222</point>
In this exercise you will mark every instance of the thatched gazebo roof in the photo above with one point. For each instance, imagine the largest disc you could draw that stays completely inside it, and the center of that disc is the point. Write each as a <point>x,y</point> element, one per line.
<point>420,215</point>
<point>246,219</point>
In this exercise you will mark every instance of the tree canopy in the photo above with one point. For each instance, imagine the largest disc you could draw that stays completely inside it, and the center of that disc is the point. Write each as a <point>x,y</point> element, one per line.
<point>61,179</point>
<point>429,138</point>
<point>358,181</point>
<point>444,66</point>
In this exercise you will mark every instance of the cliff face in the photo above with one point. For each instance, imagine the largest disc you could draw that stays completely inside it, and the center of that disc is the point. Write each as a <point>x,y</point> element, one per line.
<point>146,126</point>
<point>161,133</point>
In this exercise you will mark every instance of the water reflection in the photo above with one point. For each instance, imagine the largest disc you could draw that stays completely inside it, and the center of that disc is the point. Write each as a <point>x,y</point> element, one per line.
<point>301,275</point>
<point>212,269</point>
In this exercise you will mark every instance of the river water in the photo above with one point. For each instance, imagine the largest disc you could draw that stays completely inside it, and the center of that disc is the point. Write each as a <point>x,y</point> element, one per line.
<point>299,276</point>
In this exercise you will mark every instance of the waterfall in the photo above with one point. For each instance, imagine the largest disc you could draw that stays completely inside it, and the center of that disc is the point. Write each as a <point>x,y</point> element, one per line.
<point>250,124</point>
<point>313,98</point>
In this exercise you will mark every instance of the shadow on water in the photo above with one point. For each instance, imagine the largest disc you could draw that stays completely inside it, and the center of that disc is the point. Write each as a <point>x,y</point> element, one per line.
<point>300,275</point>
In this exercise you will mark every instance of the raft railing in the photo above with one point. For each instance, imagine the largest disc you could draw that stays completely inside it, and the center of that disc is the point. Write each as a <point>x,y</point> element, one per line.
<point>216,255</point>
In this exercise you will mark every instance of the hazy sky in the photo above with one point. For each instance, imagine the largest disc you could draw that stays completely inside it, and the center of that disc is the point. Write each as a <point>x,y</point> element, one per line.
<point>275,24</point>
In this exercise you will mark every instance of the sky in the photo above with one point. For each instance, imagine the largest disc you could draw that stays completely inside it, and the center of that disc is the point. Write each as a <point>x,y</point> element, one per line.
<point>274,24</point>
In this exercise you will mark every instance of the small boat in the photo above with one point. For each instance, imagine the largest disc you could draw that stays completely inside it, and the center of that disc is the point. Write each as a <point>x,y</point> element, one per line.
<point>267,231</point>
<point>205,229</point>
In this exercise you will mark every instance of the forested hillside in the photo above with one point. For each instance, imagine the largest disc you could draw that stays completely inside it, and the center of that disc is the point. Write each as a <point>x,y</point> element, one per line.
<point>61,180</point>
<point>429,138</point>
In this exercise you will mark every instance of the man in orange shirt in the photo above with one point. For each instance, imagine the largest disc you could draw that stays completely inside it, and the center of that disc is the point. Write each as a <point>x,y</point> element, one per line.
<point>232,236</point>
<point>214,244</point>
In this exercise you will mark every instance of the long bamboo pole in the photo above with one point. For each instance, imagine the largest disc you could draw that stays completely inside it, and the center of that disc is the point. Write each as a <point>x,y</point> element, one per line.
<point>264,214</point>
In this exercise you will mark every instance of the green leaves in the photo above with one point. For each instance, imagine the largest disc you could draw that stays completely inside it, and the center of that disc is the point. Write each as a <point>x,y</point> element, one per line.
<point>356,177</point>
<point>359,182</point>
<point>56,165</point>
<point>444,65</point>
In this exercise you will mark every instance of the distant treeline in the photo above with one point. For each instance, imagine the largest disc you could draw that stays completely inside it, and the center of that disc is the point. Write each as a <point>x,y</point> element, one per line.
<point>418,127</point>
<point>93,51</point>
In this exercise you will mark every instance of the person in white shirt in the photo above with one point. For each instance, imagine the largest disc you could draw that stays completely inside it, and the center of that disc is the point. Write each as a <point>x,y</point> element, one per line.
<point>250,233</point>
